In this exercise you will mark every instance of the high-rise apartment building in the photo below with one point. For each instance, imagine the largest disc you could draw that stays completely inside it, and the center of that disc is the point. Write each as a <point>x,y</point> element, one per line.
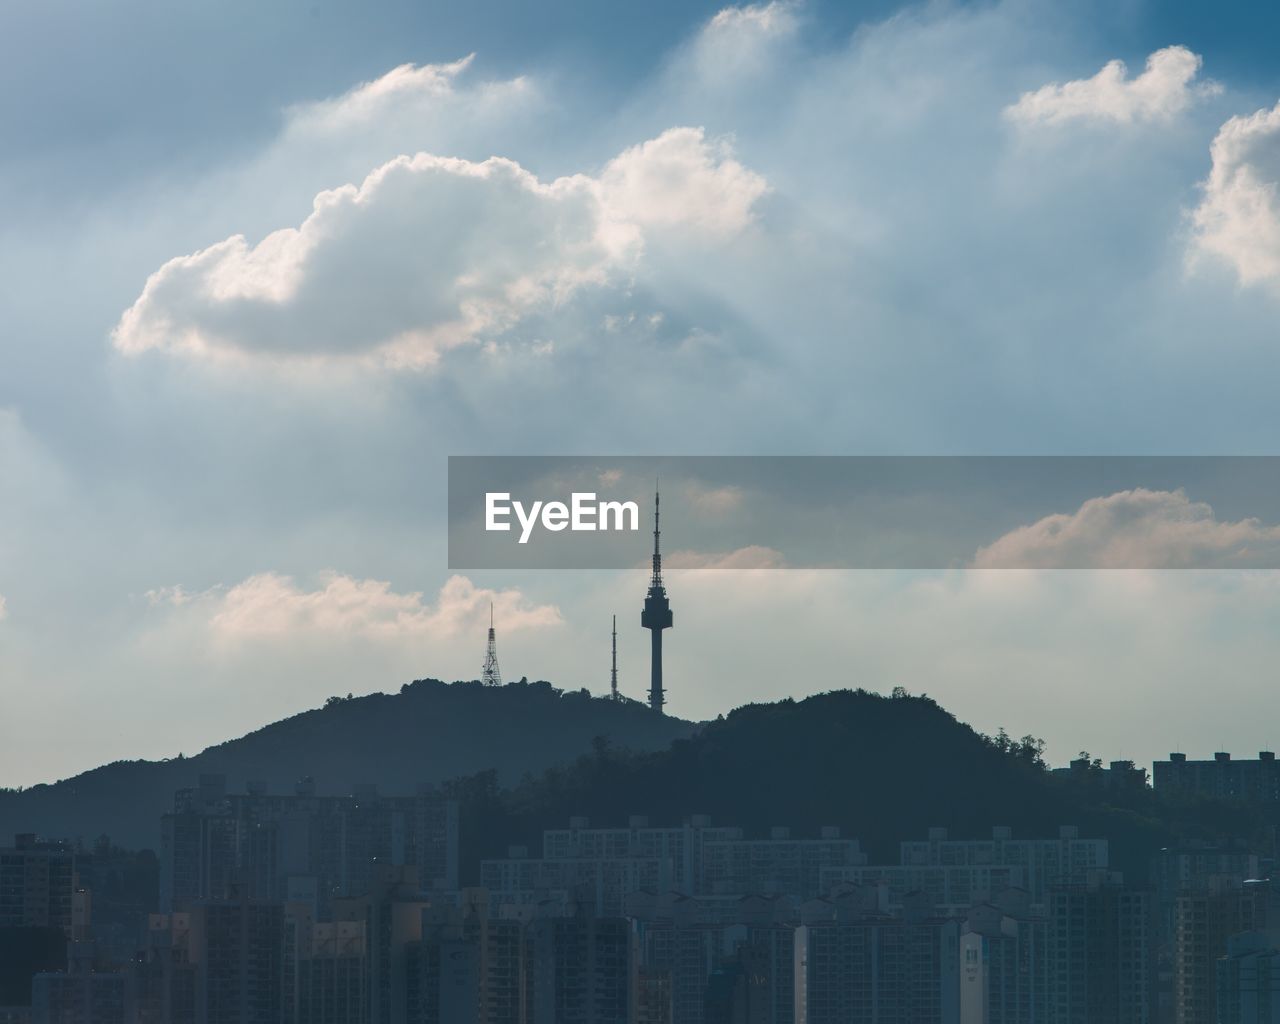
<point>1101,952</point>
<point>38,886</point>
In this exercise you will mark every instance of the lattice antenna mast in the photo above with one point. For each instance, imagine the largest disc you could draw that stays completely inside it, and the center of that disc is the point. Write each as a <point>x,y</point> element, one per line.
<point>613,673</point>
<point>490,675</point>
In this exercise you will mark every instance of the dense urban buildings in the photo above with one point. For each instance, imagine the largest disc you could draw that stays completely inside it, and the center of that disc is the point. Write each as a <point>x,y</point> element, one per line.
<point>301,846</point>
<point>311,908</point>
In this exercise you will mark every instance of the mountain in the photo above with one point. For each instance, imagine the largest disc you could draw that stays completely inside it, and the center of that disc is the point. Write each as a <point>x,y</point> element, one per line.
<point>526,756</point>
<point>884,769</point>
<point>429,732</point>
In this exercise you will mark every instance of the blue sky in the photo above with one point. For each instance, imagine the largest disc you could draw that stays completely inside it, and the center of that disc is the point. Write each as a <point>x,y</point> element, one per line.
<point>265,268</point>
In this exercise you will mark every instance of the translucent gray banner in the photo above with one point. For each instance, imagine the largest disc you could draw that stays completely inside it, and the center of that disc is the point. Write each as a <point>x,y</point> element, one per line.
<point>775,512</point>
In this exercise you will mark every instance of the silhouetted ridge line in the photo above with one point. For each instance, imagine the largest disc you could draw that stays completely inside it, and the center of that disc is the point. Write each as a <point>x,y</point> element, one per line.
<point>428,732</point>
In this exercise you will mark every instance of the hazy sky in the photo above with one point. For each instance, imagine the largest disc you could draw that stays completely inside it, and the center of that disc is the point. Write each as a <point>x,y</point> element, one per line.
<point>264,266</point>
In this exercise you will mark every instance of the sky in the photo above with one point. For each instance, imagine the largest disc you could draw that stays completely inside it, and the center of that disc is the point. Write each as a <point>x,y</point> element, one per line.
<point>264,267</point>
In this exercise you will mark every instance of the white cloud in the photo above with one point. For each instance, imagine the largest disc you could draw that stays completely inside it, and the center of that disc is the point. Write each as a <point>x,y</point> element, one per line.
<point>739,43</point>
<point>4,608</point>
<point>1165,88</point>
<point>431,252</point>
<point>770,19</point>
<point>754,556</point>
<point>407,89</point>
<point>427,253</point>
<point>434,108</point>
<point>742,61</point>
<point>680,180</point>
<point>1137,529</point>
<point>715,501</point>
<point>1238,219</point>
<point>274,606</point>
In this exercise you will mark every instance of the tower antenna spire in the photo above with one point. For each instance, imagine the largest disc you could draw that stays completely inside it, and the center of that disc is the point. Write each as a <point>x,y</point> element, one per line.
<point>656,581</point>
<point>613,673</point>
<point>490,675</point>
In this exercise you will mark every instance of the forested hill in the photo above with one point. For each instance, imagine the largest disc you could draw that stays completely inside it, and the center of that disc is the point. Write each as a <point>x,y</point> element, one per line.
<point>882,768</point>
<point>428,732</point>
<point>527,756</point>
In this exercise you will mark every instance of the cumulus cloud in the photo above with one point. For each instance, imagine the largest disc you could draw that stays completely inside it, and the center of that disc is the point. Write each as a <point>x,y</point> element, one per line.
<point>271,605</point>
<point>1166,87</point>
<point>427,253</point>
<point>680,179</point>
<point>1136,529</point>
<point>430,252</point>
<point>4,608</point>
<point>1238,218</point>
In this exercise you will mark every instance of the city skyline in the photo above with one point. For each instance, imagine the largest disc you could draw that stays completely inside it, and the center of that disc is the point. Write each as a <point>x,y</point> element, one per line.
<point>344,349</point>
<point>447,904</point>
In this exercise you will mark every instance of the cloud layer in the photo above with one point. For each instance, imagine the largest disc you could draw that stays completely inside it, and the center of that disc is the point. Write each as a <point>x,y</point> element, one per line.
<point>879,264</point>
